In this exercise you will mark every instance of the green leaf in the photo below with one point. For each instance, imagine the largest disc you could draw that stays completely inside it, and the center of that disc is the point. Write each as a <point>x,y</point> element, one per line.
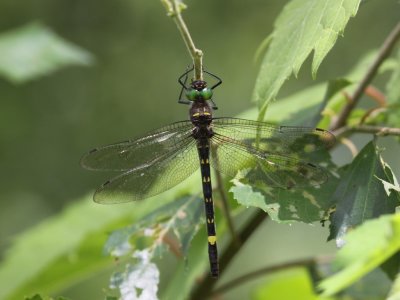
<point>39,257</point>
<point>303,26</point>
<point>373,286</point>
<point>392,87</point>
<point>360,195</point>
<point>393,95</point>
<point>392,184</point>
<point>49,240</point>
<point>182,217</point>
<point>395,291</point>
<point>296,109</point>
<point>306,205</point>
<point>187,273</point>
<point>276,286</point>
<point>35,50</point>
<point>334,87</point>
<point>35,297</point>
<point>140,279</point>
<point>366,247</point>
<point>38,297</point>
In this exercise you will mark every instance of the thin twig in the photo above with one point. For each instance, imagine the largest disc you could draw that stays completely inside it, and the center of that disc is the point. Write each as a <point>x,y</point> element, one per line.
<point>377,130</point>
<point>174,9</point>
<point>376,95</point>
<point>383,53</point>
<point>350,145</point>
<point>225,208</point>
<point>204,288</point>
<point>310,262</point>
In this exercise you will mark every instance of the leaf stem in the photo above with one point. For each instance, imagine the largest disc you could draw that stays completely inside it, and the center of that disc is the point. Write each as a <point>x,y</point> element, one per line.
<point>174,9</point>
<point>225,206</point>
<point>377,130</point>
<point>385,50</point>
<point>309,263</point>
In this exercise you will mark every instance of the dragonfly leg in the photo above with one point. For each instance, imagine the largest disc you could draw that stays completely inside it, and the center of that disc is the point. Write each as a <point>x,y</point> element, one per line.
<point>216,77</point>
<point>214,105</point>
<point>182,82</point>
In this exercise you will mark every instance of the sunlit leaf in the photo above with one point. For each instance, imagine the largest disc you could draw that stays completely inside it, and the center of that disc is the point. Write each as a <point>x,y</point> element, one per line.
<point>276,286</point>
<point>303,26</point>
<point>360,195</point>
<point>395,291</point>
<point>35,50</point>
<point>366,247</point>
<point>64,242</point>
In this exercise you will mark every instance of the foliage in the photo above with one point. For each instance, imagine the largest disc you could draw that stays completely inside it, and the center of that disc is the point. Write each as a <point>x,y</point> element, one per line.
<point>303,26</point>
<point>366,248</point>
<point>163,252</point>
<point>360,194</point>
<point>34,50</point>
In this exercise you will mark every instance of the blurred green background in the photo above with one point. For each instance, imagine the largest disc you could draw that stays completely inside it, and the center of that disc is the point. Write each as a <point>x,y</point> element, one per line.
<point>48,123</point>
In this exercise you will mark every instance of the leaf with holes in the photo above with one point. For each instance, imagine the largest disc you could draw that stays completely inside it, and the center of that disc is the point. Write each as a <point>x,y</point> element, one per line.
<point>138,281</point>
<point>181,217</point>
<point>306,204</point>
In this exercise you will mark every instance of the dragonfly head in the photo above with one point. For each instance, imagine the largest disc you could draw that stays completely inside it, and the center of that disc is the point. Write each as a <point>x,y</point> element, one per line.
<point>199,91</point>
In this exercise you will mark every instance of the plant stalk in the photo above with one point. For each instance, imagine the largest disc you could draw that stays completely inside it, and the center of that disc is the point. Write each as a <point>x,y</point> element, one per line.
<point>174,9</point>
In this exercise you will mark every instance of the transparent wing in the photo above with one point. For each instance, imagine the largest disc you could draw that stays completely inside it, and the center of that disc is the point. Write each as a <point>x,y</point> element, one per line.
<point>288,140</point>
<point>276,170</point>
<point>139,152</point>
<point>152,179</point>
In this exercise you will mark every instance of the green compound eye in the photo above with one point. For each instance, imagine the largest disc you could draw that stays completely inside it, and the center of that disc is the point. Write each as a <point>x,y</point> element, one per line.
<point>206,93</point>
<point>192,94</point>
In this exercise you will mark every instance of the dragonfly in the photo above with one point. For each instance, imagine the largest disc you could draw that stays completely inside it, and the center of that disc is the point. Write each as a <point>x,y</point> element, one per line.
<point>161,159</point>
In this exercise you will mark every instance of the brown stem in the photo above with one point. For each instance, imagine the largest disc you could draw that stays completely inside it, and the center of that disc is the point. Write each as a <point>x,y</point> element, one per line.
<point>376,95</point>
<point>378,130</point>
<point>383,53</point>
<point>309,263</point>
<point>204,288</point>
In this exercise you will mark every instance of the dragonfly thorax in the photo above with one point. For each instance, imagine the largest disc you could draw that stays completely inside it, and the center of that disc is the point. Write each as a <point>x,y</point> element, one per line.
<point>200,113</point>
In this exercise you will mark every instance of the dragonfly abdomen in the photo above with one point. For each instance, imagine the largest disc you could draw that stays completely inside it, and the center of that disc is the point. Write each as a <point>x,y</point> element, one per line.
<point>204,156</point>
